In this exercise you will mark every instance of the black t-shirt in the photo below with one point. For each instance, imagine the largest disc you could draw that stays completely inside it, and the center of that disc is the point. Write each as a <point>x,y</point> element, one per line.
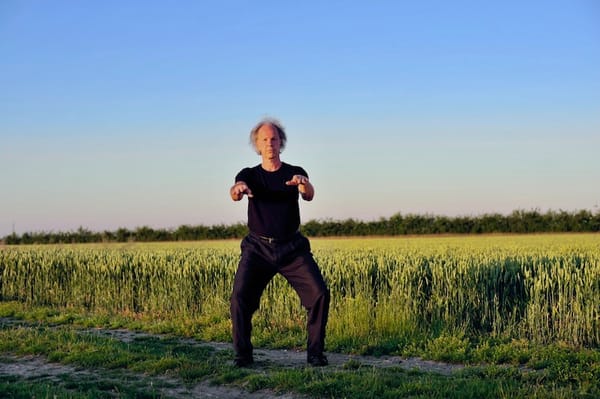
<point>273,210</point>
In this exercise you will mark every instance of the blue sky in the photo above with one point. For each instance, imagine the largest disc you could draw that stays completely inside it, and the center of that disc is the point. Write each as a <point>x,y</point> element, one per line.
<point>126,114</point>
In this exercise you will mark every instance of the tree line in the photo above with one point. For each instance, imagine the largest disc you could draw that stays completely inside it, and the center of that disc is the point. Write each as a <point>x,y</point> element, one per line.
<point>517,222</point>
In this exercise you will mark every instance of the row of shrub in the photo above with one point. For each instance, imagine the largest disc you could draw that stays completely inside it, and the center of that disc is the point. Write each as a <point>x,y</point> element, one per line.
<point>519,222</point>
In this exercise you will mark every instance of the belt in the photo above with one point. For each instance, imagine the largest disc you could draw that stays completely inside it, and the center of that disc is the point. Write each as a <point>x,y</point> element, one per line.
<point>273,240</point>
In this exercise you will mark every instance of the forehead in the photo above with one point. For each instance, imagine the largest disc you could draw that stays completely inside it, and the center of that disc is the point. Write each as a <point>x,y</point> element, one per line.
<point>267,130</point>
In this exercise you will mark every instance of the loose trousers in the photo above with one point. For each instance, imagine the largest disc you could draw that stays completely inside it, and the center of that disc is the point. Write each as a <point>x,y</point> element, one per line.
<point>261,259</point>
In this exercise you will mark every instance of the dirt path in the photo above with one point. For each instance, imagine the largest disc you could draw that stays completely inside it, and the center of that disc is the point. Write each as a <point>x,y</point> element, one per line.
<point>36,367</point>
<point>297,359</point>
<point>40,368</point>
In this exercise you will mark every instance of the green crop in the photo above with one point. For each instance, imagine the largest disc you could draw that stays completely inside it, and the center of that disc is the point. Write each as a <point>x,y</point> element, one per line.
<point>542,288</point>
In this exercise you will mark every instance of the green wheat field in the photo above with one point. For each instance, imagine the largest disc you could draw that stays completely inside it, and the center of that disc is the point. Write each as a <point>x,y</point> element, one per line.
<point>387,293</point>
<point>530,301</point>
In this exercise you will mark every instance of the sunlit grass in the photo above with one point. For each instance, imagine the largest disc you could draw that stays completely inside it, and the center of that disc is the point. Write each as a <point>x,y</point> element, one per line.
<point>134,367</point>
<point>388,294</point>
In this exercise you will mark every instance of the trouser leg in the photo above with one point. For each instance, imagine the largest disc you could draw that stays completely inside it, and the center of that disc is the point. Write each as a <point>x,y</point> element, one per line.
<point>304,275</point>
<point>316,323</point>
<point>250,280</point>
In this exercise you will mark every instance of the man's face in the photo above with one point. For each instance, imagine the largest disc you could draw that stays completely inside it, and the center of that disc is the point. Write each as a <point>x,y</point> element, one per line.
<point>268,143</point>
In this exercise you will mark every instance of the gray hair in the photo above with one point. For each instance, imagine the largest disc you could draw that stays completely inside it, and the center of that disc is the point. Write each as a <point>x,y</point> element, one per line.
<point>268,121</point>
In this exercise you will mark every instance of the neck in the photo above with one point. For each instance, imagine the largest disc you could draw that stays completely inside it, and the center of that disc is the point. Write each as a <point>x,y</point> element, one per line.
<point>271,165</point>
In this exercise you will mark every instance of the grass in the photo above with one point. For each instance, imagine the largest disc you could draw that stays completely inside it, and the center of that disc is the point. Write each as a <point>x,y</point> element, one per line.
<point>387,294</point>
<point>520,312</point>
<point>99,385</point>
<point>147,365</point>
<point>82,377</point>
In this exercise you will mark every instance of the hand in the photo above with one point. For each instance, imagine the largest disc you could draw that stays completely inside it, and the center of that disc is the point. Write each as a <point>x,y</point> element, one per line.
<point>297,180</point>
<point>304,186</point>
<point>239,189</point>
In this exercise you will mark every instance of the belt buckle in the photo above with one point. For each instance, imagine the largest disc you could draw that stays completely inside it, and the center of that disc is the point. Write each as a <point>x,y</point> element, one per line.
<point>270,240</point>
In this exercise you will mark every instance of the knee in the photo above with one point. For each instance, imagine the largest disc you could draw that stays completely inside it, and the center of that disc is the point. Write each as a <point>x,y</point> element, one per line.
<point>326,295</point>
<point>239,301</point>
<point>320,298</point>
<point>323,291</point>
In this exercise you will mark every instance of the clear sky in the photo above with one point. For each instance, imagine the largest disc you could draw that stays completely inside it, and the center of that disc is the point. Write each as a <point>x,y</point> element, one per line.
<point>137,113</point>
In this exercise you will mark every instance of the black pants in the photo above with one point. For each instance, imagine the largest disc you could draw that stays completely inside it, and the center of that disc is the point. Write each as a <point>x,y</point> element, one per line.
<point>259,263</point>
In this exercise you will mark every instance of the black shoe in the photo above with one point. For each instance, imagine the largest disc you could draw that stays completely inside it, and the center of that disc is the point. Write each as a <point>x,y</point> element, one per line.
<point>317,360</point>
<point>243,362</point>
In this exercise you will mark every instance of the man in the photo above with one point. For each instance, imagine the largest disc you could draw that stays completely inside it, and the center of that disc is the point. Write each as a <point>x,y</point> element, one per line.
<point>275,245</point>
